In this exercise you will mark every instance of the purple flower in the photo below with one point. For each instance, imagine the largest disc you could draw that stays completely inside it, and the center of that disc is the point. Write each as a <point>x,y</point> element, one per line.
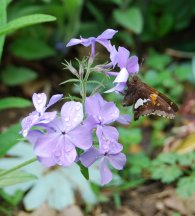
<point>101,113</point>
<point>113,157</point>
<point>39,116</point>
<point>103,39</point>
<point>65,133</point>
<point>128,66</point>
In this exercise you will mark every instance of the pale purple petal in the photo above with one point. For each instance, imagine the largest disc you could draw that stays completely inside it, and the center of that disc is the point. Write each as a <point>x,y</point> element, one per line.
<point>133,65</point>
<point>67,157</point>
<point>112,73</point>
<point>39,101</point>
<point>72,115</point>
<point>109,113</point>
<point>28,122</point>
<point>115,147</point>
<point>47,117</point>
<point>124,119</point>
<point>48,162</point>
<point>44,149</point>
<point>120,87</point>
<point>81,137</point>
<point>110,132</point>
<point>46,145</point>
<point>73,42</point>
<point>117,160</point>
<point>123,55</point>
<point>54,99</point>
<point>90,122</point>
<point>122,76</point>
<point>107,34</point>
<point>93,104</point>
<point>107,136</point>
<point>87,41</point>
<point>90,156</point>
<point>114,56</point>
<point>106,44</point>
<point>105,173</point>
<point>33,136</point>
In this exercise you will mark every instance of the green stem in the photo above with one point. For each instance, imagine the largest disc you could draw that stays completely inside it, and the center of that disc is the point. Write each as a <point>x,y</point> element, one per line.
<point>84,84</point>
<point>18,166</point>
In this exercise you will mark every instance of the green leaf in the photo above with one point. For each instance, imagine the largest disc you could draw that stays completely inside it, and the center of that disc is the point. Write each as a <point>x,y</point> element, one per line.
<point>95,82</point>
<point>25,21</point>
<point>186,186</point>
<point>15,178</point>
<point>14,102</point>
<point>69,81</point>
<point>9,138</point>
<point>13,76</point>
<point>12,199</point>
<point>165,24</point>
<point>138,162</point>
<point>166,173</point>
<point>157,61</point>
<point>3,19</point>
<point>183,71</point>
<point>31,48</point>
<point>84,170</point>
<point>132,136</point>
<point>131,19</point>
<point>164,167</point>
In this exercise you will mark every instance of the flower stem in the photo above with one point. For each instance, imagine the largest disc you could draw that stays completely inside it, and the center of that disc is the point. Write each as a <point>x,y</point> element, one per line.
<point>18,166</point>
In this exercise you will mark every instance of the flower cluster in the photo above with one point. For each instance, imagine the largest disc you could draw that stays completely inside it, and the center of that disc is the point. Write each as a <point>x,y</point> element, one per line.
<point>68,137</point>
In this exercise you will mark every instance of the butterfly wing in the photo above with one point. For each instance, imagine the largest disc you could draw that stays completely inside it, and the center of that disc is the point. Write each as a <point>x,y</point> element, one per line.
<point>151,102</point>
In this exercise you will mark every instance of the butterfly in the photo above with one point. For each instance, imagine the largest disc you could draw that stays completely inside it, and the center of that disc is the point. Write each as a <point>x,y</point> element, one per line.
<point>147,100</point>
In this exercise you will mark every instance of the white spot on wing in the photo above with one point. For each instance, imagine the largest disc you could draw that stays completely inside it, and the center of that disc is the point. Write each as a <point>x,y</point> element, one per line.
<point>140,102</point>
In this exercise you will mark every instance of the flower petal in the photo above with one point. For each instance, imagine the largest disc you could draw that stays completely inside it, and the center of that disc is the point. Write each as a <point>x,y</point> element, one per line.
<point>108,136</point>
<point>123,55</point>
<point>112,73</point>
<point>120,87</point>
<point>72,115</point>
<point>133,65</point>
<point>109,113</point>
<point>93,104</point>
<point>67,158</point>
<point>90,156</point>
<point>39,101</point>
<point>114,56</point>
<point>107,34</point>
<point>122,76</point>
<point>124,119</point>
<point>81,137</point>
<point>46,146</point>
<point>28,122</point>
<point>105,173</point>
<point>33,136</point>
<point>73,42</point>
<point>117,160</point>
<point>47,117</point>
<point>106,43</point>
<point>54,99</point>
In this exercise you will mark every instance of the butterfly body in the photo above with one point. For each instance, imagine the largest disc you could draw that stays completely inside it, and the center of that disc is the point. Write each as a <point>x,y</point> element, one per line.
<point>148,101</point>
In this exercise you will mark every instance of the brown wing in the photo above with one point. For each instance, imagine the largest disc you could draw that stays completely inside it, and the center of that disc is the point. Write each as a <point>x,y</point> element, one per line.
<point>152,102</point>
<point>164,97</point>
<point>161,108</point>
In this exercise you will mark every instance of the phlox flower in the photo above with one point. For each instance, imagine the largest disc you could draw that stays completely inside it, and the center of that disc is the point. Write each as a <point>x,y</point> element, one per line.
<point>103,39</point>
<point>128,66</point>
<point>113,156</point>
<point>64,134</point>
<point>39,116</point>
<point>100,114</point>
